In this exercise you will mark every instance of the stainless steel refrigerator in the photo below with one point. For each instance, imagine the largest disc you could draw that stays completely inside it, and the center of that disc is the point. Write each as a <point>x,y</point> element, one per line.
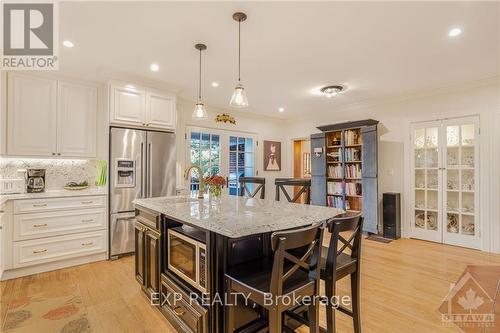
<point>142,165</point>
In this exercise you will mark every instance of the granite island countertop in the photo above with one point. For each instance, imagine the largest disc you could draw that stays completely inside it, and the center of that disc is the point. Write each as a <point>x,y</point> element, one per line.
<point>235,216</point>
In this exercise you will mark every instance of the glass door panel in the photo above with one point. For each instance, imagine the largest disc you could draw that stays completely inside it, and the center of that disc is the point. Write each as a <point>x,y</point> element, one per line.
<point>461,184</point>
<point>205,149</point>
<point>241,162</point>
<point>426,217</point>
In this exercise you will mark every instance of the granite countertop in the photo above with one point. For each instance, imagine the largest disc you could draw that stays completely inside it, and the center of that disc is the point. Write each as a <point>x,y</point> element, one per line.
<point>54,194</point>
<point>235,216</point>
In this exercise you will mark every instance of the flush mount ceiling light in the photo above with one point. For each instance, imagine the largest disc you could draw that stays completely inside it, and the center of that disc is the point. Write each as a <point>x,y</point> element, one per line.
<point>215,84</point>
<point>154,67</point>
<point>239,98</point>
<point>331,91</point>
<point>281,109</point>
<point>69,44</point>
<point>455,32</point>
<point>199,112</point>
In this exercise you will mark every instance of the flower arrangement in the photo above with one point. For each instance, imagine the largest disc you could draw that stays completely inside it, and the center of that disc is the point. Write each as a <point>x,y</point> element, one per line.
<point>215,185</point>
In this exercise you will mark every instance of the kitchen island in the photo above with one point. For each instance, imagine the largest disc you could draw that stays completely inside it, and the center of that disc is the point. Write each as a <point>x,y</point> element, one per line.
<point>184,246</point>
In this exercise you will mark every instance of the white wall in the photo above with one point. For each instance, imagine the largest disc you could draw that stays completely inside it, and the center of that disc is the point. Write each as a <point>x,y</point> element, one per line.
<point>480,98</point>
<point>265,128</point>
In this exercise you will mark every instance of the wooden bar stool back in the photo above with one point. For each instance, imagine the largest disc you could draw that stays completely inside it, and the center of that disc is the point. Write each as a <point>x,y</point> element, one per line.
<point>305,187</point>
<point>244,190</point>
<point>341,258</point>
<point>284,277</point>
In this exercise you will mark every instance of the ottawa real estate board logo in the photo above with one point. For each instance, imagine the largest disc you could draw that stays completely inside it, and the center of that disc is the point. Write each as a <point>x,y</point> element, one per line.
<point>29,35</point>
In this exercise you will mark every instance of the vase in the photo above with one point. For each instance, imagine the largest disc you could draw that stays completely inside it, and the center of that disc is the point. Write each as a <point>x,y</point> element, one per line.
<point>215,191</point>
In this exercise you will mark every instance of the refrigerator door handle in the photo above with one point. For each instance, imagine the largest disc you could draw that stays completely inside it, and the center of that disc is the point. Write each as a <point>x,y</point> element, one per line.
<point>150,169</point>
<point>142,177</point>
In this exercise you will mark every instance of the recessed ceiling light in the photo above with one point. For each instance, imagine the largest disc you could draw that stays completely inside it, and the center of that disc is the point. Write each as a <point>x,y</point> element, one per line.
<point>154,67</point>
<point>68,44</point>
<point>215,84</point>
<point>455,32</point>
<point>281,109</point>
<point>331,91</point>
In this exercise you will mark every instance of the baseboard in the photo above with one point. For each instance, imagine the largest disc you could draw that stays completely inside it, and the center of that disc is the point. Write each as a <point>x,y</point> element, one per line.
<point>41,268</point>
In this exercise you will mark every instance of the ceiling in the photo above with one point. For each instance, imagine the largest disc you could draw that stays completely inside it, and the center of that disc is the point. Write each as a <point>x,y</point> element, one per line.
<point>375,49</point>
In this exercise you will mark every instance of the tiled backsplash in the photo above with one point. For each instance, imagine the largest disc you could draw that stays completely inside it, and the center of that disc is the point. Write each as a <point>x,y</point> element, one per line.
<point>57,172</point>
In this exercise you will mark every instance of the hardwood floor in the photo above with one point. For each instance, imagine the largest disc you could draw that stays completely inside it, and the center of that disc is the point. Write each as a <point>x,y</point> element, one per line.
<point>403,284</point>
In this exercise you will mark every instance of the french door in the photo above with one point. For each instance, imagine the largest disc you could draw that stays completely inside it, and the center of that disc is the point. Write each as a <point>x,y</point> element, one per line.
<point>219,152</point>
<point>445,182</point>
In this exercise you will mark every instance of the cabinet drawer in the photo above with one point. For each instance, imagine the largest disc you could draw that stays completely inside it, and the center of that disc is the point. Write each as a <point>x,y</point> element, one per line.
<point>50,249</point>
<point>42,205</point>
<point>188,315</point>
<point>37,225</point>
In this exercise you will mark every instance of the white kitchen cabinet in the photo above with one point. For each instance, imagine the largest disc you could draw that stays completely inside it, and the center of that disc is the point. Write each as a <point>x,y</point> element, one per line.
<point>128,105</point>
<point>160,110</point>
<point>132,105</point>
<point>47,117</point>
<point>76,120</point>
<point>31,118</point>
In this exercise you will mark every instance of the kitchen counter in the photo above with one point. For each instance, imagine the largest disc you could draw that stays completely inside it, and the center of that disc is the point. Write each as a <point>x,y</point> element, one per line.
<point>54,194</point>
<point>235,216</point>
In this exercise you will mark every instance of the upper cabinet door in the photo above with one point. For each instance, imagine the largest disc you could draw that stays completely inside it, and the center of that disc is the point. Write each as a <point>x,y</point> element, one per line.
<point>76,120</point>
<point>128,105</point>
<point>31,116</point>
<point>161,110</point>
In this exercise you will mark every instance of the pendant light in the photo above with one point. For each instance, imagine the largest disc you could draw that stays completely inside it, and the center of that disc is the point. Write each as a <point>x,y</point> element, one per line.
<point>239,98</point>
<point>199,112</point>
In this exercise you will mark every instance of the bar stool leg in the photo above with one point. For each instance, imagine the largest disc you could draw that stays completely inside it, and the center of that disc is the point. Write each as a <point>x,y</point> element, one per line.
<point>313,314</point>
<point>275,324</point>
<point>355,285</point>
<point>330,311</point>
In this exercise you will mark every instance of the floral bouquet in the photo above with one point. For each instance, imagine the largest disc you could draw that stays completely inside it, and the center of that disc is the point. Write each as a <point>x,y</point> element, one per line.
<point>215,185</point>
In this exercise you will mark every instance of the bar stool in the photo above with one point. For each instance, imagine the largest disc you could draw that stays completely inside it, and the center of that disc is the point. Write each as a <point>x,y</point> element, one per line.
<point>253,180</point>
<point>336,264</point>
<point>284,277</point>
<point>305,187</point>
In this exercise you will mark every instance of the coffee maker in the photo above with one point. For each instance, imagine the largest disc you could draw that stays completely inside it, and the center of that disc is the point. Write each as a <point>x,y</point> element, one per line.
<point>35,180</point>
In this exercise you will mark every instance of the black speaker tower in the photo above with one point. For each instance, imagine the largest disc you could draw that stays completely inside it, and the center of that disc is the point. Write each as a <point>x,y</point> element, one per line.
<point>391,204</point>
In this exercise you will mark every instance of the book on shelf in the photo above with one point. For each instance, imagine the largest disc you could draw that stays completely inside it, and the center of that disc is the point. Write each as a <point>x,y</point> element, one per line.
<point>352,137</point>
<point>335,171</point>
<point>334,188</point>
<point>352,154</point>
<point>337,202</point>
<point>352,188</point>
<point>353,171</point>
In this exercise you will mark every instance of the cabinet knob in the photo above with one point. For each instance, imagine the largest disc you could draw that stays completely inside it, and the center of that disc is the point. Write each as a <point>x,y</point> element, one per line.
<point>179,311</point>
<point>53,154</point>
<point>58,154</point>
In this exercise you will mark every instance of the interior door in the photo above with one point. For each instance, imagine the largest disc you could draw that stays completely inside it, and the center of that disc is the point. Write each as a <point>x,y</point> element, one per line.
<point>461,179</point>
<point>426,182</point>
<point>241,160</point>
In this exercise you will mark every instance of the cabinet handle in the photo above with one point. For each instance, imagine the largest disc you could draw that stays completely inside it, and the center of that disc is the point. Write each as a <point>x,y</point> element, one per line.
<point>87,220</point>
<point>53,154</point>
<point>87,202</point>
<point>87,244</point>
<point>39,205</point>
<point>179,311</point>
<point>41,251</point>
<point>39,225</point>
<point>58,154</point>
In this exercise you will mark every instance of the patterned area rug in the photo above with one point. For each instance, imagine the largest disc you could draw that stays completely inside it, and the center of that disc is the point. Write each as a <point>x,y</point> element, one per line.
<point>54,311</point>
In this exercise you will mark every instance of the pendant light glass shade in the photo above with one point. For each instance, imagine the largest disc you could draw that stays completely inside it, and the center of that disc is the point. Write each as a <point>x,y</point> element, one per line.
<point>239,98</point>
<point>199,111</point>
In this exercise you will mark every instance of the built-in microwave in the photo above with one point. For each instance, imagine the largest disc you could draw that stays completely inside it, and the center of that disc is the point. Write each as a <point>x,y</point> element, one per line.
<point>187,259</point>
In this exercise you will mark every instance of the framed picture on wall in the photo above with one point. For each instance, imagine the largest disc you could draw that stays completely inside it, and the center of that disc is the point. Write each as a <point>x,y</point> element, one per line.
<point>272,156</point>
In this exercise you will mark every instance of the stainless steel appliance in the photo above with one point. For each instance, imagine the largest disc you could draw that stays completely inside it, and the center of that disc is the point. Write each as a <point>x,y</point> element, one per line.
<point>142,165</point>
<point>187,258</point>
<point>35,180</point>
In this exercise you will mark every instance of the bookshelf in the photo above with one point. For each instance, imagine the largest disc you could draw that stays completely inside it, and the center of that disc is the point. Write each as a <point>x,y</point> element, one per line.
<point>345,174</point>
